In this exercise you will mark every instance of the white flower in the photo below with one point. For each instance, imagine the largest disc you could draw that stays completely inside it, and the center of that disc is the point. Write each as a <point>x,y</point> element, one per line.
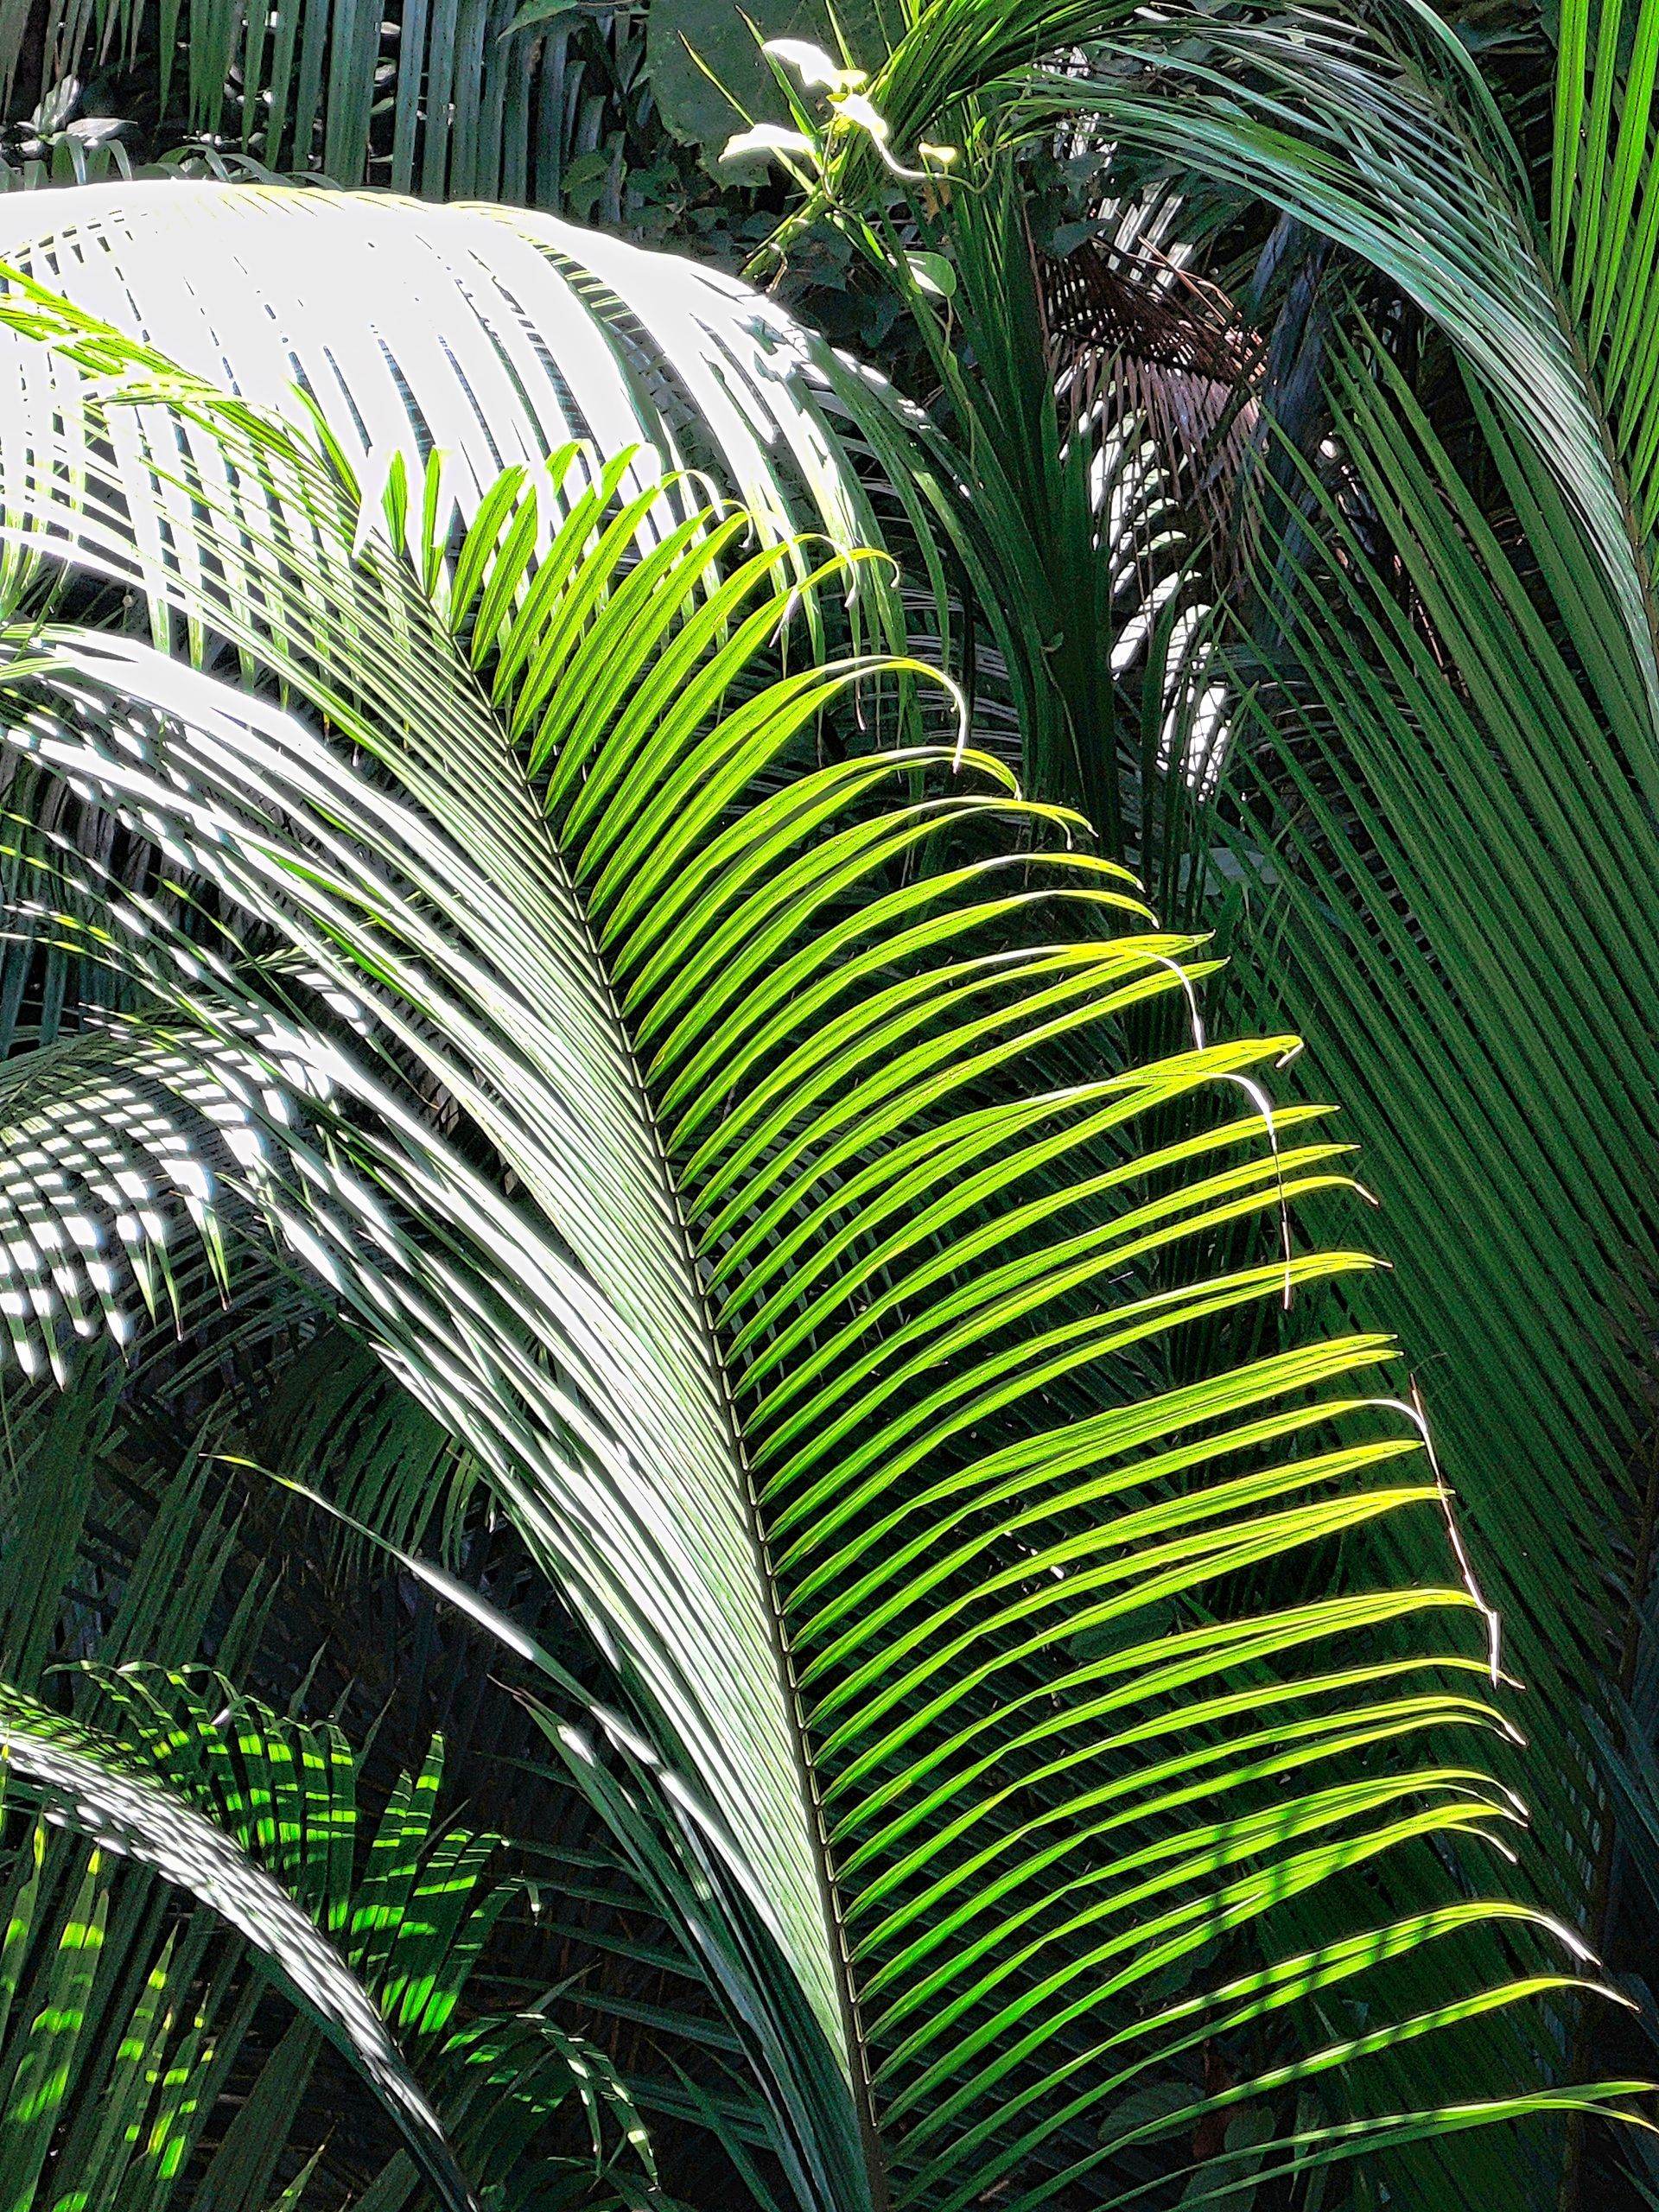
<point>813,65</point>
<point>768,139</point>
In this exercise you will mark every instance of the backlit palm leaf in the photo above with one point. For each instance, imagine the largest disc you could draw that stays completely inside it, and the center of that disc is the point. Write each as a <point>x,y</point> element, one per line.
<point>1444,787</point>
<point>82,1782</point>
<point>809,1267</point>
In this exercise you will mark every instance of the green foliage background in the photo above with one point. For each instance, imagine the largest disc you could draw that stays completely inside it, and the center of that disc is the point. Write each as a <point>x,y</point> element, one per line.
<point>1428,594</point>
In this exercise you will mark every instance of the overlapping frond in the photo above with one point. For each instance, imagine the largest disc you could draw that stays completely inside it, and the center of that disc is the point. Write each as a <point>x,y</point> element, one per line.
<point>75,1779</point>
<point>474,339</point>
<point>411,1923</point>
<point>100,1163</point>
<point>1604,225</point>
<point>742,1140</point>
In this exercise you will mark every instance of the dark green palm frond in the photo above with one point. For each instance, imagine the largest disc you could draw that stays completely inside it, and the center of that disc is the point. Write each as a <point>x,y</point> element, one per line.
<point>459,101</point>
<point>350,1431</point>
<point>827,1353</point>
<point>1389,816</point>
<point>80,1781</point>
<point>93,1556</point>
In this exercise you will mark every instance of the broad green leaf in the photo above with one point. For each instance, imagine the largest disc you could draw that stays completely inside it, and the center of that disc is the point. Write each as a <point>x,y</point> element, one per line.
<point>710,77</point>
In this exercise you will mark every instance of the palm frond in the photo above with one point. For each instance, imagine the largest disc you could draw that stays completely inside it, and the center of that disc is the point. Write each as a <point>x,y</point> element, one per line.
<point>1400,769</point>
<point>1132,333</point>
<point>77,1780</point>
<point>410,1901</point>
<point>827,1351</point>
<point>111,2121</point>
<point>445,346</point>
<point>459,101</point>
<point>1604,221</point>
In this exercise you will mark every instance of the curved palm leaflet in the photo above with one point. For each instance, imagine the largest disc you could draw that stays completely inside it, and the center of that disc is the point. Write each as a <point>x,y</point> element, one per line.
<point>494,334</point>
<point>77,1780</point>
<point>1441,798</point>
<point>743,1138</point>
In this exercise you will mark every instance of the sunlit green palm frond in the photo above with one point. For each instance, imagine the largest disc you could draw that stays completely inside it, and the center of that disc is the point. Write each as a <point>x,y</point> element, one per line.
<point>109,2044</point>
<point>1443,786</point>
<point>441,347</point>
<point>464,341</point>
<point>738,1138</point>
<point>83,1783</point>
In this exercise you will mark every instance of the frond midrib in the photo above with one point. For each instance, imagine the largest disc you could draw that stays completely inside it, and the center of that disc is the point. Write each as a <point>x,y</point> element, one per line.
<point>857,2055</point>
